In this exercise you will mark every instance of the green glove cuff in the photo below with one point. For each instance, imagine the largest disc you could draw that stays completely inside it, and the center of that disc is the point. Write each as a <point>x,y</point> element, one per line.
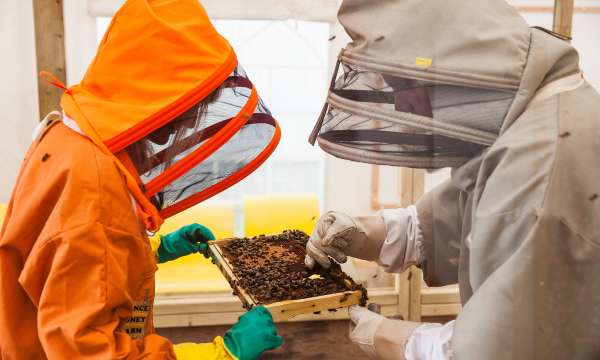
<point>187,240</point>
<point>253,334</point>
<point>203,249</point>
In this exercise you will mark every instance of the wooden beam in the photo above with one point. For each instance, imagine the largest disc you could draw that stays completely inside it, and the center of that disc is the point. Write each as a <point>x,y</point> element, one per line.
<point>326,10</point>
<point>406,186</point>
<point>402,287</point>
<point>201,309</point>
<point>550,9</point>
<point>50,50</point>
<point>415,279</point>
<point>375,204</point>
<point>309,10</point>
<point>563,17</point>
<point>375,185</point>
<point>441,310</point>
<point>418,184</point>
<point>440,295</point>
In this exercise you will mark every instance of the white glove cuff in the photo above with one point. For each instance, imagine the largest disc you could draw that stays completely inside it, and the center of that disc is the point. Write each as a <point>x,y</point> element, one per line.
<point>430,341</point>
<point>363,329</point>
<point>403,246</point>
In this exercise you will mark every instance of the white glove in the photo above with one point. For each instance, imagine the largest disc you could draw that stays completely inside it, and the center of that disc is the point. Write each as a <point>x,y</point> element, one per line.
<point>339,235</point>
<point>363,326</point>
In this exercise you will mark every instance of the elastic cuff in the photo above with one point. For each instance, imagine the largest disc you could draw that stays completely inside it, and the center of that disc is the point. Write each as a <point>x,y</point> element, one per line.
<point>403,246</point>
<point>430,341</point>
<point>219,340</point>
<point>154,243</point>
<point>391,338</point>
<point>215,350</point>
<point>162,255</point>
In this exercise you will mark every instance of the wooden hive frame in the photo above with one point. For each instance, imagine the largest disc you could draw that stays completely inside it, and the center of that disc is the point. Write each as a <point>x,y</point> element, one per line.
<point>281,310</point>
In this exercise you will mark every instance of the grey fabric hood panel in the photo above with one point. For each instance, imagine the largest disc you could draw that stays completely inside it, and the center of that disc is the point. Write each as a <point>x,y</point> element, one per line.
<point>478,39</point>
<point>483,44</point>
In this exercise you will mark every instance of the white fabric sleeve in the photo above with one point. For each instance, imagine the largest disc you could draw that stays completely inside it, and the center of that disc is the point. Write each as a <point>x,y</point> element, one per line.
<point>430,342</point>
<point>39,128</point>
<point>403,245</point>
<point>71,124</point>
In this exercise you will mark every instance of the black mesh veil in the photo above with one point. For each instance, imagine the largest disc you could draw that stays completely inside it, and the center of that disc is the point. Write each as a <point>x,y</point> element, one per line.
<point>394,120</point>
<point>211,143</point>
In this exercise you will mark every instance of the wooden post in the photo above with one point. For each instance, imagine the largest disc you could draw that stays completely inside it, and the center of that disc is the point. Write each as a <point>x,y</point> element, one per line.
<point>412,186</point>
<point>406,186</point>
<point>563,17</point>
<point>50,50</point>
<point>402,287</point>
<point>415,279</point>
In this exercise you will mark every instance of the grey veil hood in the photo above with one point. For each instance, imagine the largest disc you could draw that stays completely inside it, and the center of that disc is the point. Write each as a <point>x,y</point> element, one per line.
<point>476,64</point>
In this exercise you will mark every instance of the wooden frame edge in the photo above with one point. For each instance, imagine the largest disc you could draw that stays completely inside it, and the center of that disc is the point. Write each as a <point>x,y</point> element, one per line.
<point>282,310</point>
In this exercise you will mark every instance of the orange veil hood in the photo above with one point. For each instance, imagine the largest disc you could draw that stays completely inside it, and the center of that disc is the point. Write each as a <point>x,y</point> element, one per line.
<point>158,59</point>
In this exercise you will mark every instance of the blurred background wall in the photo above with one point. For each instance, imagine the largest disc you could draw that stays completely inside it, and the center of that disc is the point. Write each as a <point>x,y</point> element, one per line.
<point>290,61</point>
<point>18,92</point>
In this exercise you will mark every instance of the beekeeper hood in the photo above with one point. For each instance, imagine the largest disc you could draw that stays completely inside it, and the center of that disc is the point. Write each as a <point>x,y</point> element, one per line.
<point>165,94</point>
<point>429,84</point>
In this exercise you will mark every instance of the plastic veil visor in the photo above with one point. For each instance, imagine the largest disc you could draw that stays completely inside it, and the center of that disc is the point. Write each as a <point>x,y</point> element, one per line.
<point>207,149</point>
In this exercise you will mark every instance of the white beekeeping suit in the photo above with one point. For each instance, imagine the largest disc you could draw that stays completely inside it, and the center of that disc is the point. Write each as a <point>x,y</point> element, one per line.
<point>469,85</point>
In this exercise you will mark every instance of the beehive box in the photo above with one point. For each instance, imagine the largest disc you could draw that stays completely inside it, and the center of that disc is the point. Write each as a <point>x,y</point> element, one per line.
<point>270,271</point>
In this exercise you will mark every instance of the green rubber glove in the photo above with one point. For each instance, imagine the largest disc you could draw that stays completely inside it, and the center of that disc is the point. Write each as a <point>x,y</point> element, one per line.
<point>187,240</point>
<point>253,334</point>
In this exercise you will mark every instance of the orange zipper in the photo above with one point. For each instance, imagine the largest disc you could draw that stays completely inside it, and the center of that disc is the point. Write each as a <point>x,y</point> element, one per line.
<point>211,145</point>
<point>162,117</point>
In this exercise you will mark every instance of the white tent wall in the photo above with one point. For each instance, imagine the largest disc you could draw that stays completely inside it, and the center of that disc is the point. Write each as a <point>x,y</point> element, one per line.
<point>18,94</point>
<point>80,38</point>
<point>309,10</point>
<point>586,28</point>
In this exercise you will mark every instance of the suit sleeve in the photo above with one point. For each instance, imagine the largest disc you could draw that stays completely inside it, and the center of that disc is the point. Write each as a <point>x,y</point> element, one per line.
<point>209,351</point>
<point>536,281</point>
<point>154,243</point>
<point>80,285</point>
<point>440,222</point>
<point>535,250</point>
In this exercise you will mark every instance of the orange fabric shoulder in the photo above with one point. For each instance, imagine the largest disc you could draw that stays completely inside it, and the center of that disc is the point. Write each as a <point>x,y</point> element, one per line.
<point>66,181</point>
<point>73,258</point>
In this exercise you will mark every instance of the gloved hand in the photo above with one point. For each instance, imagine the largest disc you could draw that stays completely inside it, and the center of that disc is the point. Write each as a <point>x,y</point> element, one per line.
<point>253,334</point>
<point>339,235</point>
<point>187,240</point>
<point>363,325</point>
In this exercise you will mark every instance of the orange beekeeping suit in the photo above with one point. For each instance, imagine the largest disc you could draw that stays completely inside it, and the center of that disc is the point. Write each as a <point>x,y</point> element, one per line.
<point>73,250</point>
